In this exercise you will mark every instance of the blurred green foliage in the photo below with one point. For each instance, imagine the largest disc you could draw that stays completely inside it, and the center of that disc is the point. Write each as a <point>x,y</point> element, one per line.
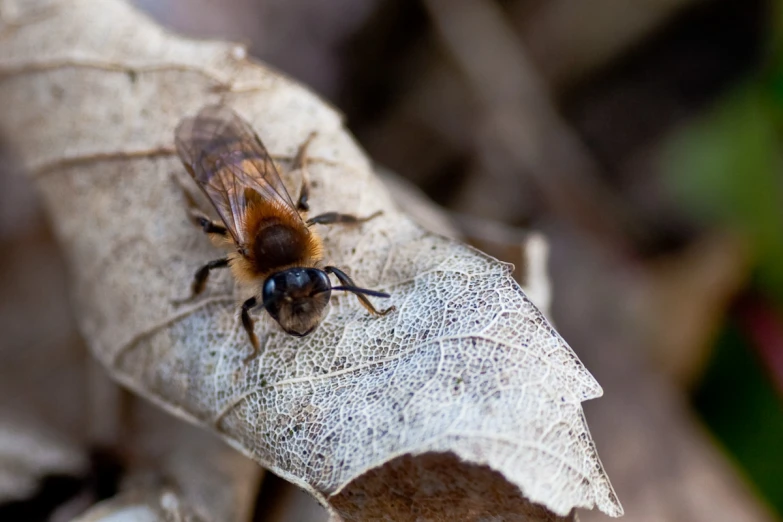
<point>727,170</point>
<point>743,410</point>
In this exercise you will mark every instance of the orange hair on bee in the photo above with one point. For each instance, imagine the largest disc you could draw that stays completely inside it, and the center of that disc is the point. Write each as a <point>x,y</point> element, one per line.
<point>273,247</point>
<point>279,239</point>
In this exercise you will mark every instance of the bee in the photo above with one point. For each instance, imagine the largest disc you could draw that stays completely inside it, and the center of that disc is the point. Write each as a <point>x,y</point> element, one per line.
<point>273,245</point>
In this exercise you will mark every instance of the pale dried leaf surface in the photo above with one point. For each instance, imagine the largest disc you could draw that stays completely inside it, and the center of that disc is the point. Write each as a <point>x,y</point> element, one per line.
<point>30,450</point>
<point>466,365</point>
<point>211,480</point>
<point>41,433</point>
<point>153,505</point>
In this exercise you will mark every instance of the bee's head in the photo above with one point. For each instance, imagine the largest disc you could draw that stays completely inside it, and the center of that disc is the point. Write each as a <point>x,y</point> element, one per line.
<point>296,298</point>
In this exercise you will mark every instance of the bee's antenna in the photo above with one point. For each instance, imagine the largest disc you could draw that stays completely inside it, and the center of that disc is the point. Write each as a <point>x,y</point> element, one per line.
<point>357,290</point>
<point>348,286</point>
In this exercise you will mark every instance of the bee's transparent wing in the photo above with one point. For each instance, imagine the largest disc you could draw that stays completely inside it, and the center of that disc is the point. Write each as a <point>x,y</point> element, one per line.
<point>231,165</point>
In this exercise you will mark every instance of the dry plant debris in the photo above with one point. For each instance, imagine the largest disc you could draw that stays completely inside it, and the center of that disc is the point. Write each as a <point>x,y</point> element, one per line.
<point>467,368</point>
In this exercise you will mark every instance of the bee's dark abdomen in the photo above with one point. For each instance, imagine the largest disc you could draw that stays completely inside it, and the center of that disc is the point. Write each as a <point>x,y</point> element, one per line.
<point>278,245</point>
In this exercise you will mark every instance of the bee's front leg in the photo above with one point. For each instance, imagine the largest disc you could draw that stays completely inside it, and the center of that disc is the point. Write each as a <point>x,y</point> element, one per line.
<point>249,326</point>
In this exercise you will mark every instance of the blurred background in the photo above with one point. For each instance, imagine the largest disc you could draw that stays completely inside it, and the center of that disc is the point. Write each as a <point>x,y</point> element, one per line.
<point>643,138</point>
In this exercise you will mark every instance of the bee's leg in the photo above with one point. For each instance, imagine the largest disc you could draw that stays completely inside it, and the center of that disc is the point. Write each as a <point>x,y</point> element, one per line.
<point>331,218</point>
<point>201,276</point>
<point>249,325</point>
<point>197,216</point>
<point>348,282</point>
<point>207,225</point>
<point>300,164</point>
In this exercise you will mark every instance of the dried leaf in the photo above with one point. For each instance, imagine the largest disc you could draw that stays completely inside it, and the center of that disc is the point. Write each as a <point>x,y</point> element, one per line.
<point>211,480</point>
<point>30,450</point>
<point>156,505</point>
<point>466,365</point>
<point>41,432</point>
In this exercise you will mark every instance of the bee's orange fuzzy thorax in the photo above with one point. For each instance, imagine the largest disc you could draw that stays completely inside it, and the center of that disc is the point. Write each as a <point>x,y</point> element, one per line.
<point>259,211</point>
<point>277,239</point>
<point>243,270</point>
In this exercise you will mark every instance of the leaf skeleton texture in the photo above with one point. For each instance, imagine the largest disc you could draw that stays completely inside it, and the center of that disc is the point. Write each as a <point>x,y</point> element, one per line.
<point>466,364</point>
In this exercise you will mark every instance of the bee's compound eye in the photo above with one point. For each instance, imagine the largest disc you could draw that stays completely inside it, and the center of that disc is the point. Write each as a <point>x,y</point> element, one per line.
<point>319,281</point>
<point>269,289</point>
<point>274,290</point>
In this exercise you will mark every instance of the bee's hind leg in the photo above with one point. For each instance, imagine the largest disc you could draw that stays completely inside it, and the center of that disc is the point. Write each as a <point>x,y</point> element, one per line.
<point>300,164</point>
<point>331,218</point>
<point>197,216</point>
<point>207,225</point>
<point>302,205</point>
